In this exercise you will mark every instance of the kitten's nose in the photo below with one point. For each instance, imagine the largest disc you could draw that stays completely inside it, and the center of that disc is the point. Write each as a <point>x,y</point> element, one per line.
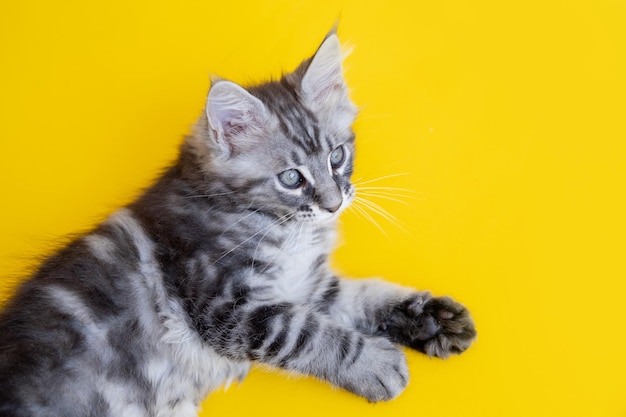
<point>328,195</point>
<point>333,209</point>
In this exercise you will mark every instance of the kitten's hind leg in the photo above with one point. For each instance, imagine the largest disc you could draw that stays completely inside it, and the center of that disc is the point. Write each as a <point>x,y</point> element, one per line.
<point>438,326</point>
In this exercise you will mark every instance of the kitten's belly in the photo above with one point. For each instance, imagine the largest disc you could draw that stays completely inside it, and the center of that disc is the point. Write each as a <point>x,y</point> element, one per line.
<point>178,377</point>
<point>180,387</point>
<point>185,369</point>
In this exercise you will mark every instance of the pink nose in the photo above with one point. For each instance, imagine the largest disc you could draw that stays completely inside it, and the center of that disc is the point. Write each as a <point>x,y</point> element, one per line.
<point>333,209</point>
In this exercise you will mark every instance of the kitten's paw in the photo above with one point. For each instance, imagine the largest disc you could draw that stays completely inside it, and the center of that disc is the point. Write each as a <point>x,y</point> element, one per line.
<point>438,326</point>
<point>450,329</point>
<point>379,373</point>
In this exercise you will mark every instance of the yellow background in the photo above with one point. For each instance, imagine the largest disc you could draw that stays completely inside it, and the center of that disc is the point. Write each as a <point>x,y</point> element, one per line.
<point>505,118</point>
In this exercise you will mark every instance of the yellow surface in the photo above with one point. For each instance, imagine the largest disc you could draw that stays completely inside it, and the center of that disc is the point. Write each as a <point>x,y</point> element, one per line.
<point>505,119</point>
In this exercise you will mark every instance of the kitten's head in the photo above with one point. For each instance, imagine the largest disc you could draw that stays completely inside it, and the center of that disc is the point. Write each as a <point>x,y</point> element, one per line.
<point>284,147</point>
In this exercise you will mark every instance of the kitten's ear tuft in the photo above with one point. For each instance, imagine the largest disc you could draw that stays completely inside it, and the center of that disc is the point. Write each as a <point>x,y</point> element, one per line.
<point>323,86</point>
<point>237,119</point>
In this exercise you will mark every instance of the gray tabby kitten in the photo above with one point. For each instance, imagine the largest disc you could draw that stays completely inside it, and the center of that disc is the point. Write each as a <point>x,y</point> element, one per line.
<point>221,263</point>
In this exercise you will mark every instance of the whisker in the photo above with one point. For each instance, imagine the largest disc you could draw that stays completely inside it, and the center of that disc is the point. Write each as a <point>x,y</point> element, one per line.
<point>385,197</point>
<point>365,215</point>
<point>390,189</point>
<point>210,195</point>
<point>230,226</point>
<point>281,220</point>
<point>280,249</point>
<point>384,177</point>
<point>376,208</point>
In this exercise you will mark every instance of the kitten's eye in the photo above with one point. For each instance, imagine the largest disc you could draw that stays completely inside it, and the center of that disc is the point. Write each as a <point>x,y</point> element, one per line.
<point>291,178</point>
<point>337,157</point>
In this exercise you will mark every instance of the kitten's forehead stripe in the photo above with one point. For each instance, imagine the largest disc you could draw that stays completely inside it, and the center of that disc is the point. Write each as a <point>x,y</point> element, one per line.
<point>329,143</point>
<point>300,127</point>
<point>296,159</point>
<point>297,122</point>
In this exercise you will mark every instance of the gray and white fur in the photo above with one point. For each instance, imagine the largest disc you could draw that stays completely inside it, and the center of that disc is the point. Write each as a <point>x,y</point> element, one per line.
<point>221,263</point>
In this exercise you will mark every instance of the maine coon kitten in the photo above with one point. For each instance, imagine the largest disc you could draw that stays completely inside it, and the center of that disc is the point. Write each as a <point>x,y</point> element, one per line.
<point>223,262</point>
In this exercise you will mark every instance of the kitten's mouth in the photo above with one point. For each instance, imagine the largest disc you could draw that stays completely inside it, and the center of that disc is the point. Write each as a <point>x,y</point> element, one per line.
<point>323,215</point>
<point>319,217</point>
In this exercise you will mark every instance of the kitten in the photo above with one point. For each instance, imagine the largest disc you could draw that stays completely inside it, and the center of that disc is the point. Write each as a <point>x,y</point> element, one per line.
<point>221,263</point>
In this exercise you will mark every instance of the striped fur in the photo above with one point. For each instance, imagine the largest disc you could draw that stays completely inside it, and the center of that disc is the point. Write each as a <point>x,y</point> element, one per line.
<point>221,263</point>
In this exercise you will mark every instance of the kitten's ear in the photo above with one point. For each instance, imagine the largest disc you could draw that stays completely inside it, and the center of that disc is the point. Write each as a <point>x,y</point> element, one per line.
<point>237,119</point>
<point>323,86</point>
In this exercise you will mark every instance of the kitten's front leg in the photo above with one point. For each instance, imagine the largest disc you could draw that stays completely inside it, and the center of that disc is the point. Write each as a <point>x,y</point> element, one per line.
<point>299,339</point>
<point>437,326</point>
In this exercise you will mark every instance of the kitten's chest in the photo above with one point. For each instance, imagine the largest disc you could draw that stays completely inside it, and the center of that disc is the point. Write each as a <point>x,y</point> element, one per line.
<point>298,264</point>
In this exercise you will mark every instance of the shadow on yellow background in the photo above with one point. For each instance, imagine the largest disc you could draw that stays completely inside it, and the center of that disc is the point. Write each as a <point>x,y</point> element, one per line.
<point>504,119</point>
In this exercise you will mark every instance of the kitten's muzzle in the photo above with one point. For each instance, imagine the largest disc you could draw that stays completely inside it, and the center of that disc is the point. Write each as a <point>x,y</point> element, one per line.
<point>332,209</point>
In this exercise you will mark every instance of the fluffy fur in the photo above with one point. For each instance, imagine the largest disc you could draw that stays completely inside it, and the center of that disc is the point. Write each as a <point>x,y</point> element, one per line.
<point>221,263</point>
